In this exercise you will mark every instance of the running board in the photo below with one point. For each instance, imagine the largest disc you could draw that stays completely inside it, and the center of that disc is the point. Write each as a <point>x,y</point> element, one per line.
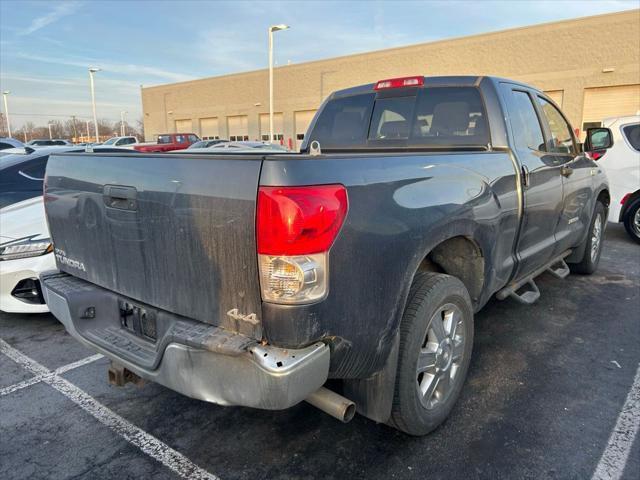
<point>526,291</point>
<point>560,269</point>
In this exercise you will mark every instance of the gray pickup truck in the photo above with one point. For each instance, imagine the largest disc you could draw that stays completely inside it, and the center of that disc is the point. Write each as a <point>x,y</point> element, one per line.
<point>253,279</point>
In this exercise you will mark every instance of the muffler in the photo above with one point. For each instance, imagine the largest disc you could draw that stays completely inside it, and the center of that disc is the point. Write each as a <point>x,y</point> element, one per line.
<point>335,405</point>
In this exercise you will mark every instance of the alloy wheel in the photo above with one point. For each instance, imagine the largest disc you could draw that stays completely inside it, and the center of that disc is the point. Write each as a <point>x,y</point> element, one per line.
<point>440,356</point>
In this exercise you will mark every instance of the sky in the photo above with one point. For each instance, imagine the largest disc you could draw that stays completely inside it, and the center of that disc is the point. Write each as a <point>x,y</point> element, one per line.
<point>47,47</point>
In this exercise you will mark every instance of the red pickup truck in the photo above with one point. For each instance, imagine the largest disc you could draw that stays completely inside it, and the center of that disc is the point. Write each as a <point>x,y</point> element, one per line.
<point>169,141</point>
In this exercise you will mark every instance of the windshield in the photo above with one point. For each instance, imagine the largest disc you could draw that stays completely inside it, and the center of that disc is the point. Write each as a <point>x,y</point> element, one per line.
<point>111,141</point>
<point>164,138</point>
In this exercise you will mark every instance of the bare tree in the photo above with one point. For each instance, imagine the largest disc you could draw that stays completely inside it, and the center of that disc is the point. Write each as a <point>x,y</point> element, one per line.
<point>4,132</point>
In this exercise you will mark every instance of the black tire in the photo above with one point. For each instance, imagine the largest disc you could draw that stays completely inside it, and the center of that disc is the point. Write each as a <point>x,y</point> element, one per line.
<point>629,220</point>
<point>430,296</point>
<point>589,263</point>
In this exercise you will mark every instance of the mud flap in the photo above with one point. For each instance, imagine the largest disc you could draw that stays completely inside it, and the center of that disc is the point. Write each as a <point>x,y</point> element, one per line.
<point>373,396</point>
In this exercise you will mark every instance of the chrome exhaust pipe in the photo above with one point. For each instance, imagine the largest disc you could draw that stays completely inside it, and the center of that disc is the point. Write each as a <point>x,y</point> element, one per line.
<point>335,405</point>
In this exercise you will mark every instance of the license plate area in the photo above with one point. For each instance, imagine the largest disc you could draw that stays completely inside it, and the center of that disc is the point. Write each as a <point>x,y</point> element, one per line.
<point>140,321</point>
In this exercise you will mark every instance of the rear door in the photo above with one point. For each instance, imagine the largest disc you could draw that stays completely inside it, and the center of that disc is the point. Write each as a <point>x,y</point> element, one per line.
<point>575,173</point>
<point>541,181</point>
<point>174,231</point>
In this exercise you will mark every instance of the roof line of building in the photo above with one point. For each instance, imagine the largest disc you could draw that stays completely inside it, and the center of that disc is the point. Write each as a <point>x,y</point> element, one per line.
<point>403,47</point>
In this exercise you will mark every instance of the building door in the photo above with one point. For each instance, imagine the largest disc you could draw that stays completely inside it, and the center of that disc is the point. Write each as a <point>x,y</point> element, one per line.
<point>541,182</point>
<point>278,130</point>
<point>184,126</point>
<point>556,95</point>
<point>301,121</point>
<point>604,102</point>
<point>238,128</point>
<point>209,129</point>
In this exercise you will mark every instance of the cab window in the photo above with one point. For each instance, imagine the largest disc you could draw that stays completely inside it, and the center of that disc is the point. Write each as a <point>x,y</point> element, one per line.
<point>561,140</point>
<point>527,132</point>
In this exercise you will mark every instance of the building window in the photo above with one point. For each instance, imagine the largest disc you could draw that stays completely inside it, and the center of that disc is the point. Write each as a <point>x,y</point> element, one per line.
<point>276,136</point>
<point>300,136</point>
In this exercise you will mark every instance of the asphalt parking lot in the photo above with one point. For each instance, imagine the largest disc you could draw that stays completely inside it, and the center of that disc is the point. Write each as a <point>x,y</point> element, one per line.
<point>553,392</point>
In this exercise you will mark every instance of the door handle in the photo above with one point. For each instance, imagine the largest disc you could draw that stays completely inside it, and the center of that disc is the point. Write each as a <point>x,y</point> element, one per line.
<point>525,176</point>
<point>121,197</point>
<point>566,171</point>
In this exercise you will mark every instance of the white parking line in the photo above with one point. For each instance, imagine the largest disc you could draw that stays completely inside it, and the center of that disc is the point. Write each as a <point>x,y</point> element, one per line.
<point>146,442</point>
<point>58,371</point>
<point>615,456</point>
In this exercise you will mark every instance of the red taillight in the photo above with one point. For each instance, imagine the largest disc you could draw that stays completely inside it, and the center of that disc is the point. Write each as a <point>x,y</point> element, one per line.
<point>597,155</point>
<point>299,220</point>
<point>399,83</point>
<point>625,198</point>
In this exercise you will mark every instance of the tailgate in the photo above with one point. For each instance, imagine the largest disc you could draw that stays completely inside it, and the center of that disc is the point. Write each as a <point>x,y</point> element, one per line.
<point>173,231</point>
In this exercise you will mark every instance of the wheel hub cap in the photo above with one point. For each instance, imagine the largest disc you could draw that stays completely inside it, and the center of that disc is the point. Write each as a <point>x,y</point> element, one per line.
<point>596,237</point>
<point>441,355</point>
<point>444,355</point>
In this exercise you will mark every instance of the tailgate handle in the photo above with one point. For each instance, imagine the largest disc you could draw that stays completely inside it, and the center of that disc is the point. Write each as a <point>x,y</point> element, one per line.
<point>118,196</point>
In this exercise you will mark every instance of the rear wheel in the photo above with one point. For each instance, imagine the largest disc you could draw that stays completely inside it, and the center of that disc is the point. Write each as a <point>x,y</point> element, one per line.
<point>591,258</point>
<point>436,339</point>
<point>632,220</point>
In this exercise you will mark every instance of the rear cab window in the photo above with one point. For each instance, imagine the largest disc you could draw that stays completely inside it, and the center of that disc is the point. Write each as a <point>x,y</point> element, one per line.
<point>421,118</point>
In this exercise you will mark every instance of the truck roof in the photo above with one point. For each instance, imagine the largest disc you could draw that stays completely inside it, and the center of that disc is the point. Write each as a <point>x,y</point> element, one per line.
<point>437,81</point>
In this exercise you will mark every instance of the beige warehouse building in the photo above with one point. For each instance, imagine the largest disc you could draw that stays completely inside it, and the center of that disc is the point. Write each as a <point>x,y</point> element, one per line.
<point>589,66</point>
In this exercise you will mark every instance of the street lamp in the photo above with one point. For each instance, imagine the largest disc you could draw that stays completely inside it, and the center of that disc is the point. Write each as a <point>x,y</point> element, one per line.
<point>272,28</point>
<point>88,134</point>
<point>122,114</point>
<point>50,136</point>
<point>93,70</point>
<point>6,111</point>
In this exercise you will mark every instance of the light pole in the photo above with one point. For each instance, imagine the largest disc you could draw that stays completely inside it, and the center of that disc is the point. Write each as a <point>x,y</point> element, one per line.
<point>6,111</point>
<point>88,131</point>
<point>93,70</point>
<point>272,28</point>
<point>122,114</point>
<point>50,136</point>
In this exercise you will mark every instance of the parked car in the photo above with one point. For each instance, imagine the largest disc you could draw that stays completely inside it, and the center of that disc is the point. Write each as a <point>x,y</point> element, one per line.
<point>622,164</point>
<point>25,252</point>
<point>25,247</point>
<point>6,143</point>
<point>249,146</point>
<point>121,142</point>
<point>22,170</point>
<point>206,143</point>
<point>252,279</point>
<point>48,142</point>
<point>169,141</point>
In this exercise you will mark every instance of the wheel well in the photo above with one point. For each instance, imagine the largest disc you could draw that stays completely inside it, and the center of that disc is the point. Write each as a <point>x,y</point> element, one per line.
<point>625,208</point>
<point>604,198</point>
<point>460,257</point>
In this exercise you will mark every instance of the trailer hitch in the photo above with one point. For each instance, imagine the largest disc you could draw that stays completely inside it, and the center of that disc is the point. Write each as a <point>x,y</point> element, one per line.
<point>120,376</point>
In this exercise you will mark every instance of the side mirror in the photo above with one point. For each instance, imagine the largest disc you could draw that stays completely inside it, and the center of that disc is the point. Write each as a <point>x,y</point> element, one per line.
<point>598,139</point>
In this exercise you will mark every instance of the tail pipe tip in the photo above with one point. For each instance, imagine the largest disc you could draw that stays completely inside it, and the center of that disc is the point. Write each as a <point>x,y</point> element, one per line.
<point>332,403</point>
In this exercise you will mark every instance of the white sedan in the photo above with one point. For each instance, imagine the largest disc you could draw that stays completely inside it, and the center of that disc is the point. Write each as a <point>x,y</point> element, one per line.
<point>25,252</point>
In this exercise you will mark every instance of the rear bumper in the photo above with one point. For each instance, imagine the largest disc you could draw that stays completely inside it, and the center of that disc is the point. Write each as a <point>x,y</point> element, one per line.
<point>197,360</point>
